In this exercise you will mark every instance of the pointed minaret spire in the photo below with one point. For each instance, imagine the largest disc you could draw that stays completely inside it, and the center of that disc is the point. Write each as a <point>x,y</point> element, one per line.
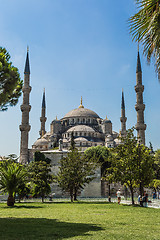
<point>123,118</point>
<point>140,106</point>
<point>43,100</point>
<point>138,69</point>
<point>122,104</point>
<point>27,67</point>
<point>81,105</point>
<point>25,108</point>
<point>43,116</point>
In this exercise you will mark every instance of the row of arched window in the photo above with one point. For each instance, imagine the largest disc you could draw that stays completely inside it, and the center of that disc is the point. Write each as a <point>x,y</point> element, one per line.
<point>81,134</point>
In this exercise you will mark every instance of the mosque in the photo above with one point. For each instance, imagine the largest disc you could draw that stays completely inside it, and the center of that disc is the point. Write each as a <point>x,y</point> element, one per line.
<point>87,127</point>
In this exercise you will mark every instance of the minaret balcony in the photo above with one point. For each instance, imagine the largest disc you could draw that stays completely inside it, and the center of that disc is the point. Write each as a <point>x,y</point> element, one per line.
<point>43,119</point>
<point>26,89</point>
<point>25,107</point>
<point>24,127</point>
<point>123,119</point>
<point>139,88</point>
<point>140,126</point>
<point>140,107</point>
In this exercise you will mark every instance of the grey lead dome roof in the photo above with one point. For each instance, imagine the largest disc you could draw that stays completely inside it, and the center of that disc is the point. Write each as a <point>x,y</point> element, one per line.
<point>81,128</point>
<point>81,112</point>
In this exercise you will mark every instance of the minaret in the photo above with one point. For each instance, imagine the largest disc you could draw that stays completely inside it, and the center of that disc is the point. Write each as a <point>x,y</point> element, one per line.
<point>123,118</point>
<point>140,106</point>
<point>43,116</point>
<point>25,108</point>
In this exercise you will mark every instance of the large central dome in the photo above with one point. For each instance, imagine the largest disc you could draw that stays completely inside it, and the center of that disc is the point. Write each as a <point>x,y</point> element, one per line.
<point>81,112</point>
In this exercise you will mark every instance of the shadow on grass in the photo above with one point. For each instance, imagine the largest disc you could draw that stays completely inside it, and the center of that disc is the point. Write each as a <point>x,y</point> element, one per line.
<point>28,206</point>
<point>78,202</point>
<point>42,228</point>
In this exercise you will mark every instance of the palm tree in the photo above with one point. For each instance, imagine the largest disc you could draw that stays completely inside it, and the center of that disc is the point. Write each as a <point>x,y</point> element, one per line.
<point>145,28</point>
<point>11,176</point>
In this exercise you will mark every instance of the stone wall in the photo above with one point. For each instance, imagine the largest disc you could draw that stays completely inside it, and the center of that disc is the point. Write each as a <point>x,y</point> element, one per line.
<point>93,189</point>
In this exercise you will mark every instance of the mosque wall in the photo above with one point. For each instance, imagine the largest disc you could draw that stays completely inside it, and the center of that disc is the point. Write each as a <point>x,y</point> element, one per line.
<point>93,189</point>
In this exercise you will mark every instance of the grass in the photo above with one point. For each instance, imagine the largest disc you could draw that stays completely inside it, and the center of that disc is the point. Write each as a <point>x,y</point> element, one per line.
<point>81,220</point>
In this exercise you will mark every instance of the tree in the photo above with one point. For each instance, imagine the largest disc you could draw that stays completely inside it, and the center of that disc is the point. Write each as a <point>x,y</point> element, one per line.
<point>72,142</point>
<point>11,177</point>
<point>155,184</point>
<point>40,175</point>
<point>132,164</point>
<point>145,28</point>
<point>10,83</point>
<point>75,171</point>
<point>38,156</point>
<point>157,164</point>
<point>23,190</point>
<point>143,167</point>
<point>101,156</point>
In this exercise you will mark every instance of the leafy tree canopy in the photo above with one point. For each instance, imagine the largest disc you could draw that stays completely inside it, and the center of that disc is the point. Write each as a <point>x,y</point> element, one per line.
<point>132,164</point>
<point>41,177</point>
<point>75,172</point>
<point>10,82</point>
<point>157,164</point>
<point>38,156</point>
<point>99,155</point>
<point>12,175</point>
<point>145,28</point>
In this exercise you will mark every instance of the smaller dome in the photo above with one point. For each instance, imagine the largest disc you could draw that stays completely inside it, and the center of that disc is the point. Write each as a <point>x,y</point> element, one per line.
<point>47,134</point>
<point>106,121</point>
<point>80,128</point>
<point>41,142</point>
<point>109,137</point>
<point>117,141</point>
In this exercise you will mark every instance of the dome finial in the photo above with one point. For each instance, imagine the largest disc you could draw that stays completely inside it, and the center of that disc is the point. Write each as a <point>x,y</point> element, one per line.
<point>81,105</point>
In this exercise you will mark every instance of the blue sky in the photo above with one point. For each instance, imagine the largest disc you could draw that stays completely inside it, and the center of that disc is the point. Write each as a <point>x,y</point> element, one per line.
<point>77,48</point>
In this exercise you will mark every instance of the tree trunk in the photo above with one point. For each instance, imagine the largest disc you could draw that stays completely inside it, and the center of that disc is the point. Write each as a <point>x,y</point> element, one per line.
<point>10,201</point>
<point>71,194</point>
<point>132,194</point>
<point>109,192</point>
<point>141,191</point>
<point>42,199</point>
<point>125,192</point>
<point>75,194</point>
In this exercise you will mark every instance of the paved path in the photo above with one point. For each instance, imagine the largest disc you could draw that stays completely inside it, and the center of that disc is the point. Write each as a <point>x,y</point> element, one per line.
<point>154,204</point>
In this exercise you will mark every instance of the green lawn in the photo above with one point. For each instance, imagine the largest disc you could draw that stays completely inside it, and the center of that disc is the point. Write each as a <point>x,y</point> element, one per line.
<point>82,220</point>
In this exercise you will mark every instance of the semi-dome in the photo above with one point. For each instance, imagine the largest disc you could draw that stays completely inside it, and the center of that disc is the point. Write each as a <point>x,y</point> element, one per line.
<point>41,142</point>
<point>81,112</point>
<point>80,128</point>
